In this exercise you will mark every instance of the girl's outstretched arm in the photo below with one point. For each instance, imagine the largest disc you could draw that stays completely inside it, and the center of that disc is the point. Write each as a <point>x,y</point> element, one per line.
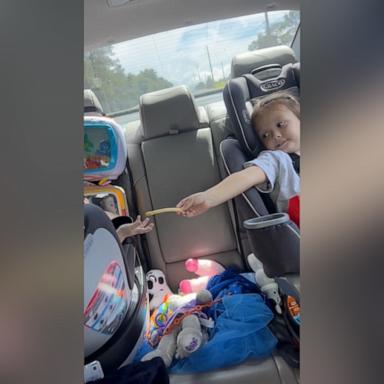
<point>230,187</point>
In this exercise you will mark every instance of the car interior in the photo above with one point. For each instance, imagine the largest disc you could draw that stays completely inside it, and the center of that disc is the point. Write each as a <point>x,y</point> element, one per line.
<point>176,146</point>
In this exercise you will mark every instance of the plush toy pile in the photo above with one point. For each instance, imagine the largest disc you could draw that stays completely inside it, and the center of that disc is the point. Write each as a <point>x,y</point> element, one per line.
<point>203,329</point>
<point>177,324</point>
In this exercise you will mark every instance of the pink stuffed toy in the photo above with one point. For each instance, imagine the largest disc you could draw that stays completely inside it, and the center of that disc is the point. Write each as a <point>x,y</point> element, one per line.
<point>203,268</point>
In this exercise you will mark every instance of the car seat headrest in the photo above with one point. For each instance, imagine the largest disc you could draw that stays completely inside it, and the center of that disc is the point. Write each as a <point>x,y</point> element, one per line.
<point>247,62</point>
<point>169,111</point>
<point>240,95</point>
<point>92,106</point>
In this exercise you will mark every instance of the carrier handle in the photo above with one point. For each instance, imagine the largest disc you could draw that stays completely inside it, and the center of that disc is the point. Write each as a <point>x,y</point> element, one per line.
<point>265,68</point>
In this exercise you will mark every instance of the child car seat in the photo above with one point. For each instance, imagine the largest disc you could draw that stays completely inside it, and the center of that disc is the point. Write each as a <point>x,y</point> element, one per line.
<point>115,294</point>
<point>274,237</point>
<point>115,291</point>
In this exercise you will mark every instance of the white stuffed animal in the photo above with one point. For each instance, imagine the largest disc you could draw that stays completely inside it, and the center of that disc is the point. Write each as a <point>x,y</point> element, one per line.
<point>157,287</point>
<point>266,284</point>
<point>185,338</point>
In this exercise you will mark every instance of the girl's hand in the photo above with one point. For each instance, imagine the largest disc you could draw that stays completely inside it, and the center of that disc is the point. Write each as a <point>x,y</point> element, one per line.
<point>194,205</point>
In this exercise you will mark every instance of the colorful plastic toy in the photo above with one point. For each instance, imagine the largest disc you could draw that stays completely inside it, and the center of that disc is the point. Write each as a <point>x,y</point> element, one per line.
<point>105,149</point>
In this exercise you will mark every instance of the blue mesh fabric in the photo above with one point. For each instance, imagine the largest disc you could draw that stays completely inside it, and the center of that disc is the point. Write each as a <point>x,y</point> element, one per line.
<point>240,332</point>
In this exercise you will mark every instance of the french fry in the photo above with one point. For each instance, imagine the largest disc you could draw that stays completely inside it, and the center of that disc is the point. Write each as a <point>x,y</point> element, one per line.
<point>162,210</point>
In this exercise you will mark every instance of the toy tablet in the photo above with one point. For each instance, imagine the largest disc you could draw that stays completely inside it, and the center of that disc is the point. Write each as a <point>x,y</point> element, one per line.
<point>105,149</point>
<point>162,210</point>
<point>110,198</point>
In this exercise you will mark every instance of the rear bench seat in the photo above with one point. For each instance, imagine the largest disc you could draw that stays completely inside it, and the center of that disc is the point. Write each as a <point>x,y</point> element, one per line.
<point>173,154</point>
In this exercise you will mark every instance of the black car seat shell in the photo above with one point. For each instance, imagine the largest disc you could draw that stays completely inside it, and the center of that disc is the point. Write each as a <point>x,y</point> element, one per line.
<point>258,78</point>
<point>241,93</point>
<point>273,240</point>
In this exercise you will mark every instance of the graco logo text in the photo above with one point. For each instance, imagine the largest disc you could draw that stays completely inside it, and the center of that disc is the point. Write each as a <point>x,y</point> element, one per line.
<point>273,84</point>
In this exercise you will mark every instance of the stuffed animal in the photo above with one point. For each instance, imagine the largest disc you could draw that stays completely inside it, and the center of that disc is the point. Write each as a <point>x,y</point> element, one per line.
<point>267,285</point>
<point>203,268</point>
<point>175,326</point>
<point>157,288</point>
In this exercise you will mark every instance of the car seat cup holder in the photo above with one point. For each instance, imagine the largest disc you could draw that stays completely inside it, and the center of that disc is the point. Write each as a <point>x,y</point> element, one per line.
<point>275,241</point>
<point>266,221</point>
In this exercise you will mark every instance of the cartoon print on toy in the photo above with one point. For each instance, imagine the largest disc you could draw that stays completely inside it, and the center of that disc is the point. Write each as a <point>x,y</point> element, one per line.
<point>108,305</point>
<point>99,147</point>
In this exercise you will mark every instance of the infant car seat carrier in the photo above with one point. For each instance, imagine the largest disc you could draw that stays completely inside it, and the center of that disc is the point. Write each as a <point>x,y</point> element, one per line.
<point>115,297</point>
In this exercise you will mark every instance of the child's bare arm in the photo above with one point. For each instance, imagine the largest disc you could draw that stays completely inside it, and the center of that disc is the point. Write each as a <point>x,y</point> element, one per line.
<point>138,227</point>
<point>227,189</point>
<point>236,184</point>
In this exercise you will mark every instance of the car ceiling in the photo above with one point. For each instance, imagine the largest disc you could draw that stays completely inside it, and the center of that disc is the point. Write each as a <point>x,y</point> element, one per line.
<point>105,25</point>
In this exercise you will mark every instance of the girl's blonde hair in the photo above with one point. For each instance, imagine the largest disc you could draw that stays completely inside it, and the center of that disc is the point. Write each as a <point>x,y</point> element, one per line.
<point>279,98</point>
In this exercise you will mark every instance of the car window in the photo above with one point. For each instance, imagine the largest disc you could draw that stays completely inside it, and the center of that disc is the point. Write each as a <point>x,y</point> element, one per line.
<point>197,56</point>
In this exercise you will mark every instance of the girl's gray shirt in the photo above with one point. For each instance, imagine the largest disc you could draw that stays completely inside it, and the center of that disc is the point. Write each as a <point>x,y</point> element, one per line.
<point>283,182</point>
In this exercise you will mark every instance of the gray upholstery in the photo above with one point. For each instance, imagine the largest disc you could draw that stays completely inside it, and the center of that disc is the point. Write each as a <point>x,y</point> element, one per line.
<point>171,156</point>
<point>248,61</point>
<point>176,167</point>
<point>273,370</point>
<point>219,122</point>
<point>169,111</point>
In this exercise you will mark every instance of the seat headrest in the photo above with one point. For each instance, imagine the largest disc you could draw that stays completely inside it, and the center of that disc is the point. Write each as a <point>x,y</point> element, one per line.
<point>92,106</point>
<point>247,62</point>
<point>169,111</point>
<point>241,93</point>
